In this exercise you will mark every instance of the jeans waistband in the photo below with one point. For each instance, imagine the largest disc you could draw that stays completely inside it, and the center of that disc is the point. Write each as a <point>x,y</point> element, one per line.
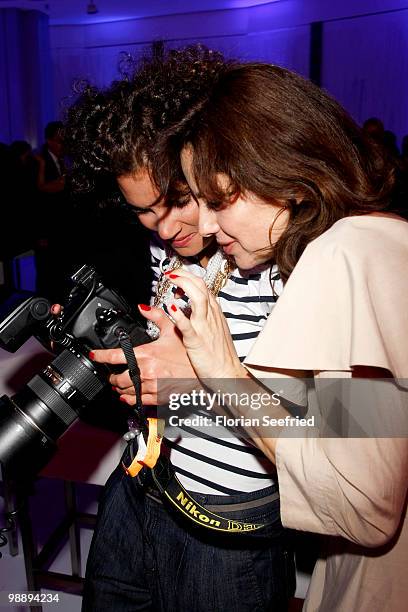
<point>253,499</point>
<point>255,507</point>
<point>226,503</point>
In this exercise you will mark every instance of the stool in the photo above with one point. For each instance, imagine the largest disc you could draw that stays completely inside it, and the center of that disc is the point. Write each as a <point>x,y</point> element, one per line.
<point>101,452</point>
<point>8,493</point>
<point>38,562</point>
<point>86,454</point>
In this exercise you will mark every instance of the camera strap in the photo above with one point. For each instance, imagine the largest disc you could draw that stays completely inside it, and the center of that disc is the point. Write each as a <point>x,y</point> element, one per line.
<point>134,370</point>
<point>152,428</point>
<point>148,456</point>
<point>163,473</point>
<point>171,489</point>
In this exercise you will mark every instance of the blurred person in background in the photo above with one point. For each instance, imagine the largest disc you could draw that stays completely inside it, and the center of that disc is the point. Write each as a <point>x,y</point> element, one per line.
<point>52,216</point>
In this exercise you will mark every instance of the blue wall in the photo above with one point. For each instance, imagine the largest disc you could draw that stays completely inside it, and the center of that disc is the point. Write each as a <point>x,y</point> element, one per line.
<point>364,48</point>
<point>364,51</point>
<point>26,77</point>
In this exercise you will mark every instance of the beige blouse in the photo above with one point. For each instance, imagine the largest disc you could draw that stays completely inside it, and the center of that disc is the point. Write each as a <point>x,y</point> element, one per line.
<point>345,305</point>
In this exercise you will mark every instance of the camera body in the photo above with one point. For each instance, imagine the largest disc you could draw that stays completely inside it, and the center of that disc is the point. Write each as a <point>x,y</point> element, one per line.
<point>93,317</point>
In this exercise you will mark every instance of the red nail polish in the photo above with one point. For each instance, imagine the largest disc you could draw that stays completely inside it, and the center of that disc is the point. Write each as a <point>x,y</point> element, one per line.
<point>173,308</point>
<point>123,399</point>
<point>173,276</point>
<point>113,388</point>
<point>144,307</point>
<point>91,355</point>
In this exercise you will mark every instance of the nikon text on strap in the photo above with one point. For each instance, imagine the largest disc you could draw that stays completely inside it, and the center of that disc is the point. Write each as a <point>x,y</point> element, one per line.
<point>163,474</point>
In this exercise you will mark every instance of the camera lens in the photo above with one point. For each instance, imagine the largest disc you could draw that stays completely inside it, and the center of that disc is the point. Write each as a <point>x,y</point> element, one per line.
<point>32,420</point>
<point>46,407</point>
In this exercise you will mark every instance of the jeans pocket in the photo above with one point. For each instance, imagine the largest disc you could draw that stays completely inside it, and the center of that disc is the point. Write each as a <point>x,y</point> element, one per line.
<point>290,572</point>
<point>180,562</point>
<point>273,572</point>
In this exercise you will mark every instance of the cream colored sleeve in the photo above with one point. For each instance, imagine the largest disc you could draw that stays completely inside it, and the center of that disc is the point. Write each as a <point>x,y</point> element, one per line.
<point>322,491</point>
<point>350,487</point>
<point>344,486</point>
<point>345,305</point>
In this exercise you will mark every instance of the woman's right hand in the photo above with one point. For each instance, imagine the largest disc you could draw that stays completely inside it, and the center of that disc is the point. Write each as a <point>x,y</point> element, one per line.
<point>206,336</point>
<point>164,360</point>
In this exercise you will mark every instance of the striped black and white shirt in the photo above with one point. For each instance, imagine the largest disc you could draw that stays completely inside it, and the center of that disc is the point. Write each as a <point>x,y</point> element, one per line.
<point>226,464</point>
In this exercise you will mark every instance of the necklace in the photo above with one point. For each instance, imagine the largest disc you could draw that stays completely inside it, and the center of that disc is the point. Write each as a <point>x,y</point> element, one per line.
<point>217,272</point>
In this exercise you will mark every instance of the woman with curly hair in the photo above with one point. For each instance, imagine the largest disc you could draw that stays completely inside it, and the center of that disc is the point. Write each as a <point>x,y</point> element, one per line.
<point>145,555</point>
<point>281,173</point>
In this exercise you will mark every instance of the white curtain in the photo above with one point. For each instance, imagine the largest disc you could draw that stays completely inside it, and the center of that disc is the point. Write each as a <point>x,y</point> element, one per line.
<point>287,47</point>
<point>99,65</point>
<point>365,66</point>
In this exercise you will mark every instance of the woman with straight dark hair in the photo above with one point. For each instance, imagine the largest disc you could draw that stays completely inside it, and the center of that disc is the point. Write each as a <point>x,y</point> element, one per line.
<point>282,173</point>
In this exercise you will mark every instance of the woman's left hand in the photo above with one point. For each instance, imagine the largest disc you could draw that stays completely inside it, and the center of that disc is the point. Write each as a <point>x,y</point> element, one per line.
<point>206,336</point>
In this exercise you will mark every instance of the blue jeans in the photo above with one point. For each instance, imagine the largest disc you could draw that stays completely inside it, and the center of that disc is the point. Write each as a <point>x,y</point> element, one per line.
<point>147,556</point>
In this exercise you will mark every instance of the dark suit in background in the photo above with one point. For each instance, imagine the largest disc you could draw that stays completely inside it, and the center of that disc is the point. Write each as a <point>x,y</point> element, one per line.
<point>53,227</point>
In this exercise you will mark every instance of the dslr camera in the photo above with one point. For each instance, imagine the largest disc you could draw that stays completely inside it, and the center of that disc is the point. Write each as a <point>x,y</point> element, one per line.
<point>32,420</point>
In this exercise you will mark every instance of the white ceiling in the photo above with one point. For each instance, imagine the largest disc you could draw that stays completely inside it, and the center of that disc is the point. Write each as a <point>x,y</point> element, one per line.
<point>74,11</point>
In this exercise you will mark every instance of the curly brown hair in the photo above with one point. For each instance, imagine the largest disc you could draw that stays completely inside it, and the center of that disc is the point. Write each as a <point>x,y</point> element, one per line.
<point>111,132</point>
<point>279,136</point>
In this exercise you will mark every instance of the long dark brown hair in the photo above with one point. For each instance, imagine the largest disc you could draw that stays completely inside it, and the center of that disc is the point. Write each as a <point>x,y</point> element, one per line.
<point>279,136</point>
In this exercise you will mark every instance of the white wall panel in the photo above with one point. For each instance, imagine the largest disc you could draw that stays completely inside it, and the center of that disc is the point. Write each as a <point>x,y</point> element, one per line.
<point>365,66</point>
